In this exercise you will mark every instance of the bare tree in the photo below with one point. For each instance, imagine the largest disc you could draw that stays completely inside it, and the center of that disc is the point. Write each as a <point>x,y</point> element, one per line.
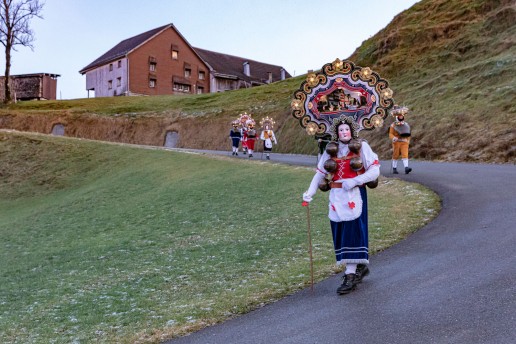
<point>15,16</point>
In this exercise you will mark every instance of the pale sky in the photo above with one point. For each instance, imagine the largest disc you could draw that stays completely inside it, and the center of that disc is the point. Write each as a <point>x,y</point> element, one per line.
<point>296,34</point>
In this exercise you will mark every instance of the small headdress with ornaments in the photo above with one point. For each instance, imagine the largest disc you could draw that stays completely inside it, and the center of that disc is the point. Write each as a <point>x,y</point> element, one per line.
<point>398,110</point>
<point>250,123</point>
<point>267,123</point>
<point>244,117</point>
<point>235,123</point>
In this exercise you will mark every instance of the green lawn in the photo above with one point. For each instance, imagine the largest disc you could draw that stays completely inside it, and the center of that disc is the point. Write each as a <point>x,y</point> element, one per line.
<point>105,243</point>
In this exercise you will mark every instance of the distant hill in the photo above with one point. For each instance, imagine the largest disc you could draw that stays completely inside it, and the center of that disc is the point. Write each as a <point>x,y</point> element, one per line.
<point>452,62</point>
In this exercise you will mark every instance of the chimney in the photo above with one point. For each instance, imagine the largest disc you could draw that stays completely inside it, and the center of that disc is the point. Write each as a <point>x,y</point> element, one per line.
<point>283,74</point>
<point>270,77</point>
<point>247,68</point>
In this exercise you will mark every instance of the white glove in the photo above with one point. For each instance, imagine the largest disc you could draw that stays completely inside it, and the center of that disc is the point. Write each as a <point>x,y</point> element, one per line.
<point>394,139</point>
<point>348,184</point>
<point>371,174</point>
<point>307,197</point>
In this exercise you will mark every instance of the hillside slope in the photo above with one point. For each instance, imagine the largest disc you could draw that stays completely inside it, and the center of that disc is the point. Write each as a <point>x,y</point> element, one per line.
<point>452,62</point>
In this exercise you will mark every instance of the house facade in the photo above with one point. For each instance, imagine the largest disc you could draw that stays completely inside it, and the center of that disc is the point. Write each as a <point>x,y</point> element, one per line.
<point>37,86</point>
<point>228,72</point>
<point>161,61</point>
<point>156,62</point>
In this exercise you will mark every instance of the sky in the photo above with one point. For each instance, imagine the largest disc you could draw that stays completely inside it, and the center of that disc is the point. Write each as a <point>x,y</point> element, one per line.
<point>298,35</point>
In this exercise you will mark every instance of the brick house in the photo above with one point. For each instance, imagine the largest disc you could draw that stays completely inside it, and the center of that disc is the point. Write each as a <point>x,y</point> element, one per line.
<point>161,61</point>
<point>37,86</point>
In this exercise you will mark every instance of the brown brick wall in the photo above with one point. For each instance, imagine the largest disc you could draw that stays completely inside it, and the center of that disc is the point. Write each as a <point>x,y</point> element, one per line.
<point>159,48</point>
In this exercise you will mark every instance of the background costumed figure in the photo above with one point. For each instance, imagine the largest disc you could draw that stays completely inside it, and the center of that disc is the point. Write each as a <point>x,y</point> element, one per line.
<point>337,103</point>
<point>399,134</point>
<point>243,122</point>
<point>235,136</point>
<point>267,135</point>
<point>251,136</point>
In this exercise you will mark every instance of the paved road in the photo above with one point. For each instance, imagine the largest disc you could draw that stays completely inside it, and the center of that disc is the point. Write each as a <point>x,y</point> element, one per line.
<point>454,281</point>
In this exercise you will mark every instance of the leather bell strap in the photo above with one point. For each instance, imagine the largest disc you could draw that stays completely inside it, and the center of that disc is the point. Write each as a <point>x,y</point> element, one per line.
<point>335,185</point>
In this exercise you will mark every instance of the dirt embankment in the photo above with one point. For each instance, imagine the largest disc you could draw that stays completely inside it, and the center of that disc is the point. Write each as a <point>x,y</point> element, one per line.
<point>207,132</point>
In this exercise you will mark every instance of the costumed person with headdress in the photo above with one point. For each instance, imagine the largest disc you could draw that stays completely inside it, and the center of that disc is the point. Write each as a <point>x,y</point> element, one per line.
<point>244,130</point>
<point>267,135</point>
<point>251,136</point>
<point>235,136</point>
<point>399,133</point>
<point>346,166</point>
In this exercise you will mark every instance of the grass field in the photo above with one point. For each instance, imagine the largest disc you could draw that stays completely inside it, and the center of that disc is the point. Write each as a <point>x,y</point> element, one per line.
<point>107,243</point>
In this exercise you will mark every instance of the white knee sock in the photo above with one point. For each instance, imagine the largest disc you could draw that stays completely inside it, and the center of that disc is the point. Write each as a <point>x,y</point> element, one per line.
<point>394,163</point>
<point>351,269</point>
<point>405,162</point>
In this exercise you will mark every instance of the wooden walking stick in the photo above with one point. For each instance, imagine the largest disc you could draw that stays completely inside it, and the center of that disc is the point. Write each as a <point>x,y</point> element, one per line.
<point>306,204</point>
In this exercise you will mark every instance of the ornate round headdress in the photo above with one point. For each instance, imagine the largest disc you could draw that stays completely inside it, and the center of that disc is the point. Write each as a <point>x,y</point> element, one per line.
<point>267,121</point>
<point>244,117</point>
<point>235,123</point>
<point>341,89</point>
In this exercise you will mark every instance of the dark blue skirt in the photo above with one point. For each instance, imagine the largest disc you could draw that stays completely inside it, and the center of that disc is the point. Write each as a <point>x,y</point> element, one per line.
<point>350,238</point>
<point>235,141</point>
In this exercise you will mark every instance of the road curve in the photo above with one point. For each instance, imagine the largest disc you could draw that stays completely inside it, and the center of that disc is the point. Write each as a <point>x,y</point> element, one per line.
<point>453,281</point>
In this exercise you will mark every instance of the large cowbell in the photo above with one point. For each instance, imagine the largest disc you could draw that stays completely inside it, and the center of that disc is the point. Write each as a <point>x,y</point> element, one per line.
<point>341,89</point>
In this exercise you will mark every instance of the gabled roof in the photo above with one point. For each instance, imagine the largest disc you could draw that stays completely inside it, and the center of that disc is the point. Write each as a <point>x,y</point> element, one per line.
<point>232,67</point>
<point>124,47</point>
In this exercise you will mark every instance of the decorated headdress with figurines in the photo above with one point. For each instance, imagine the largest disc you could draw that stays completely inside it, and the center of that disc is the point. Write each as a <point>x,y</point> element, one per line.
<point>244,117</point>
<point>341,89</point>
<point>235,123</point>
<point>267,122</point>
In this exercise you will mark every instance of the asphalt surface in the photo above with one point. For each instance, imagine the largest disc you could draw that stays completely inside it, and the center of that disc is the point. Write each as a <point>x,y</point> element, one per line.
<point>453,281</point>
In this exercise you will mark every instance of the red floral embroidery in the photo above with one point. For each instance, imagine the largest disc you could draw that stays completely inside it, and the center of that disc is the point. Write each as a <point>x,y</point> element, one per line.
<point>304,204</point>
<point>351,205</point>
<point>333,208</point>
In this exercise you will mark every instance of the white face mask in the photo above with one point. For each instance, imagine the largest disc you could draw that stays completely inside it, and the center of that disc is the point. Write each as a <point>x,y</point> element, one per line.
<point>344,132</point>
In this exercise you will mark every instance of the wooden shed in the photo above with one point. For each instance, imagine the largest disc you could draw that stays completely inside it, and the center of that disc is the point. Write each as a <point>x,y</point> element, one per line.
<point>38,86</point>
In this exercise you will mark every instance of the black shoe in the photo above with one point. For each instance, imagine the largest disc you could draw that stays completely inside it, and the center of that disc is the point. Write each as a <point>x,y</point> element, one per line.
<point>250,155</point>
<point>407,170</point>
<point>244,152</point>
<point>268,157</point>
<point>394,170</point>
<point>236,153</point>
<point>233,153</point>
<point>348,284</point>
<point>362,271</point>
